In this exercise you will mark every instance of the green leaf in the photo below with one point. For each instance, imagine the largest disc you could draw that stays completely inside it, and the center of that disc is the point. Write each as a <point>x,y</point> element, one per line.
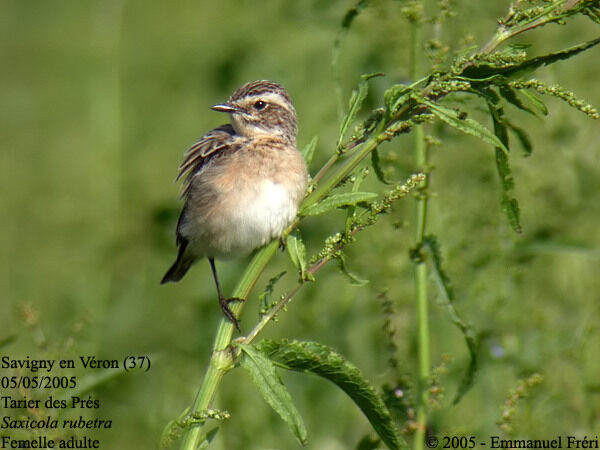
<point>360,177</point>
<point>488,94</point>
<point>522,136</point>
<point>208,439</point>
<point>176,427</point>
<point>352,13</point>
<point>349,17</point>
<point>321,360</point>
<point>263,374</point>
<point>264,298</point>
<point>369,443</point>
<point>395,96</point>
<point>297,252</point>
<point>365,128</point>
<point>356,100</point>
<point>336,201</point>
<point>377,167</point>
<point>355,280</point>
<point>309,151</point>
<point>486,69</point>
<point>351,210</point>
<point>512,210</point>
<point>173,431</point>
<point>347,21</point>
<point>511,96</point>
<point>466,125</point>
<point>509,203</point>
<point>535,101</point>
<point>534,63</point>
<point>431,244</point>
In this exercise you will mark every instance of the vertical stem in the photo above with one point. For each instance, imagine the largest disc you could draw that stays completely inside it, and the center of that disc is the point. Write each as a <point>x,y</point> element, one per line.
<point>420,266</point>
<point>221,360</point>
<point>424,353</point>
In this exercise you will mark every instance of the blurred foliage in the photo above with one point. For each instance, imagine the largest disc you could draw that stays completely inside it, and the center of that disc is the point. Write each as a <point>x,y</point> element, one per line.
<point>101,98</point>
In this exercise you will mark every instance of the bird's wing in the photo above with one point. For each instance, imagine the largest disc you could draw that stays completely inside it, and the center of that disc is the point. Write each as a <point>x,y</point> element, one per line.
<point>211,144</point>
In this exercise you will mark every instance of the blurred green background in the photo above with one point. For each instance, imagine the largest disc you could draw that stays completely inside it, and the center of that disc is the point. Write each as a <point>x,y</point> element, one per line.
<point>99,101</point>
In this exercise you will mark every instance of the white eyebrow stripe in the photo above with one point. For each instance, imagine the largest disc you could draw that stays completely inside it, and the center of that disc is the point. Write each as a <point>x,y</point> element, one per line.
<point>273,97</point>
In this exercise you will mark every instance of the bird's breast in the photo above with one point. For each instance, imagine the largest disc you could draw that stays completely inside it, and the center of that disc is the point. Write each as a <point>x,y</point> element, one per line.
<point>258,215</point>
<point>245,202</point>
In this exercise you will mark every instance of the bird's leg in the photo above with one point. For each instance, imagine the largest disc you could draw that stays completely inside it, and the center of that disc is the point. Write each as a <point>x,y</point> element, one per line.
<point>224,302</point>
<point>282,245</point>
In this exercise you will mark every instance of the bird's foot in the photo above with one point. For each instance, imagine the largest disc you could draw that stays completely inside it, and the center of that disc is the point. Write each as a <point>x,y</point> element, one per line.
<point>227,312</point>
<point>282,245</point>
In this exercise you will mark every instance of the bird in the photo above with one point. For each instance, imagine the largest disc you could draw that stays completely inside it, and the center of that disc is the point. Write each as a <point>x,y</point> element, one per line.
<point>243,182</point>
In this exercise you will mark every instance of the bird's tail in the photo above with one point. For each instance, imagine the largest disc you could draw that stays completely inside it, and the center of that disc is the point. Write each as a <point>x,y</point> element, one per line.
<point>179,268</point>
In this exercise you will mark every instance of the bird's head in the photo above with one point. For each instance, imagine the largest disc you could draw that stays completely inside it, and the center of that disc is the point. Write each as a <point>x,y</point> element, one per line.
<point>262,107</point>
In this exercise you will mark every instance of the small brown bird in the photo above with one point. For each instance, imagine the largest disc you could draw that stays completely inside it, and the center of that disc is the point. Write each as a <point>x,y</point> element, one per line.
<point>243,182</point>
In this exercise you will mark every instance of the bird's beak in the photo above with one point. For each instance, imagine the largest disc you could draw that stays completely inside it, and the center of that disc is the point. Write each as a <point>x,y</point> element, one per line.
<point>226,107</point>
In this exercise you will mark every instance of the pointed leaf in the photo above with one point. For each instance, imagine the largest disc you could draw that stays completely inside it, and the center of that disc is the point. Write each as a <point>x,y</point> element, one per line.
<point>336,201</point>
<point>356,100</point>
<point>489,94</point>
<point>176,427</point>
<point>205,443</point>
<point>354,105</point>
<point>323,361</point>
<point>485,70</point>
<point>466,125</point>
<point>351,210</point>
<point>511,96</point>
<point>360,177</point>
<point>512,211</point>
<point>264,298</point>
<point>377,167</point>
<point>266,379</point>
<point>535,101</point>
<point>347,21</point>
<point>365,128</point>
<point>369,443</point>
<point>534,63</point>
<point>445,286</point>
<point>522,136</point>
<point>509,203</point>
<point>173,431</point>
<point>356,281</point>
<point>395,96</point>
<point>297,252</point>
<point>349,17</point>
<point>309,151</point>
<point>352,13</point>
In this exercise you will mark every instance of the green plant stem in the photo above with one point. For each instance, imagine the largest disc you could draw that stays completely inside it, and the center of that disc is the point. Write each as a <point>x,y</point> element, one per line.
<point>420,265</point>
<point>421,296</point>
<point>328,165</point>
<point>221,360</point>
<point>547,15</point>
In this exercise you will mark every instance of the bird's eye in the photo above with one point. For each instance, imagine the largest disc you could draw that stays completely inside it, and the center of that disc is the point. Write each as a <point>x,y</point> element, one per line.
<point>259,105</point>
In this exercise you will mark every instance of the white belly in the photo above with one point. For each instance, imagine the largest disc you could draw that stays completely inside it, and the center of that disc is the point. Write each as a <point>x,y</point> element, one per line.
<point>256,218</point>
